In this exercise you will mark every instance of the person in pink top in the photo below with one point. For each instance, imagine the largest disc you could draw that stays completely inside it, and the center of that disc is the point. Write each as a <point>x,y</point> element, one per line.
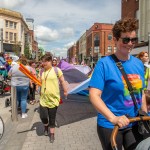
<point>32,87</point>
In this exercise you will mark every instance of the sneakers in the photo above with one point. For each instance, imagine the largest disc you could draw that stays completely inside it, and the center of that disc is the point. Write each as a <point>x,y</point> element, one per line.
<point>46,131</point>
<point>52,138</point>
<point>24,115</point>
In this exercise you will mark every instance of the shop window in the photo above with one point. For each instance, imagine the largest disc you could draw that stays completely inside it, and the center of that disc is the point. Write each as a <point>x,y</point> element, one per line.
<point>109,49</point>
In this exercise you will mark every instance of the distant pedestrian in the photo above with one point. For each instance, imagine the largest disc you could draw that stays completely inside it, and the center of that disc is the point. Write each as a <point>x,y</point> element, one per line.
<point>21,82</point>
<point>143,56</point>
<point>54,62</point>
<point>50,95</point>
<point>32,86</point>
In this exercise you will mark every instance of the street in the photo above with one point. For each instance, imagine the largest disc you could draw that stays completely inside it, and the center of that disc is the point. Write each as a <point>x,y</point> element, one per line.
<point>77,131</point>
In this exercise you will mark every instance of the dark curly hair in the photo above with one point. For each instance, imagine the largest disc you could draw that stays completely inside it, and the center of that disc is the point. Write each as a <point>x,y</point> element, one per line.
<point>124,25</point>
<point>47,57</point>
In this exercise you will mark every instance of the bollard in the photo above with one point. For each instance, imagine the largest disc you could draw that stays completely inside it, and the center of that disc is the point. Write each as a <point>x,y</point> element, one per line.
<point>14,113</point>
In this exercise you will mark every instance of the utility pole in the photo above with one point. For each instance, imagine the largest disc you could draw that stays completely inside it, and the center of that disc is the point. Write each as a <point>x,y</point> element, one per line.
<point>1,40</point>
<point>149,44</point>
<point>14,114</point>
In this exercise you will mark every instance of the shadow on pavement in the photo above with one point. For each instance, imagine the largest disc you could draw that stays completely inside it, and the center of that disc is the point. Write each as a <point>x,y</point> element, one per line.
<point>74,108</point>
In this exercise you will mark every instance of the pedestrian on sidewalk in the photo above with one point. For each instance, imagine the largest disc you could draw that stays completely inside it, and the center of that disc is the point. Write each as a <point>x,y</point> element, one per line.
<point>54,62</point>
<point>50,95</point>
<point>21,82</point>
<point>32,85</point>
<point>109,92</point>
<point>143,56</point>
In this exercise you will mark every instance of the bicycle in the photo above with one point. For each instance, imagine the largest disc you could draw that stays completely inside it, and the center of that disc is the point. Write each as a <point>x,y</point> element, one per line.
<point>1,127</point>
<point>116,128</point>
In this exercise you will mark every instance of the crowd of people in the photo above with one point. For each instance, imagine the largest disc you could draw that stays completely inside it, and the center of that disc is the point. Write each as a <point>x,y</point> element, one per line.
<point>109,90</point>
<point>45,71</point>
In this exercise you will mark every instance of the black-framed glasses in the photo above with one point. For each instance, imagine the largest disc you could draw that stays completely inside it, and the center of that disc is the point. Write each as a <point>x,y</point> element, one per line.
<point>126,40</point>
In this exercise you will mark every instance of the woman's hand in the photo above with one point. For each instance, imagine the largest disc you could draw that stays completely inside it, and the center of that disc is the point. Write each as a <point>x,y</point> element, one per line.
<point>65,93</point>
<point>121,121</point>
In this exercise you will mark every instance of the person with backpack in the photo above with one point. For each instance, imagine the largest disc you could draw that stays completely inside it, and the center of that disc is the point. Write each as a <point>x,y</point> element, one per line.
<point>50,95</point>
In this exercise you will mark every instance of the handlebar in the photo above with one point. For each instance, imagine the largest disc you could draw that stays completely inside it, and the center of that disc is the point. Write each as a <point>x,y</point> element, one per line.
<point>116,128</point>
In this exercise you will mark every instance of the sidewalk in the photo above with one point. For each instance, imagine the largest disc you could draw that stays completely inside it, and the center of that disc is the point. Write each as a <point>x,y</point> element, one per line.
<point>27,134</point>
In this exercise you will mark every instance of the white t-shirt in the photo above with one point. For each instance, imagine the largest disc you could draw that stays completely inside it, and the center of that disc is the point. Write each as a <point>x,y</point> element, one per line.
<point>17,77</point>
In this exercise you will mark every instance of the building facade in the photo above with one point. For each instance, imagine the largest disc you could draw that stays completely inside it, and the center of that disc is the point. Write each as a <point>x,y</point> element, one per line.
<point>130,8</point>
<point>72,54</point>
<point>93,44</point>
<point>144,19</point>
<point>99,41</point>
<point>82,48</point>
<point>15,31</point>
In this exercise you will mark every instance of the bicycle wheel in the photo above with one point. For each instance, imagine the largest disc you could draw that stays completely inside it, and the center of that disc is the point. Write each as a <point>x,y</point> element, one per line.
<point>1,127</point>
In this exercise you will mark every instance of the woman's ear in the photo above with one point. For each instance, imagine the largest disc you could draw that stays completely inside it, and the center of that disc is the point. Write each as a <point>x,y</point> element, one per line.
<point>115,40</point>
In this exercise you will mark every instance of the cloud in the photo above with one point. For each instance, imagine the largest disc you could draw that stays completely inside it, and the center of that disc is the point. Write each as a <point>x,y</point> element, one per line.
<point>46,34</point>
<point>12,4</point>
<point>60,22</point>
<point>69,44</point>
<point>59,52</point>
<point>67,32</point>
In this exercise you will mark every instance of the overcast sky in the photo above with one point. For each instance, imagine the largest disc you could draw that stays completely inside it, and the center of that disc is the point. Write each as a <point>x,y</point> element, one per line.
<point>60,23</point>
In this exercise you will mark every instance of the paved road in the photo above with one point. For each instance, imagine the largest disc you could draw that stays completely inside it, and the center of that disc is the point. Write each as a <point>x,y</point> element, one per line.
<point>74,134</point>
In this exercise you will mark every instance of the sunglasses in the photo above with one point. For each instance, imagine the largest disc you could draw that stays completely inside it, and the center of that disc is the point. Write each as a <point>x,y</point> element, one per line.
<point>126,40</point>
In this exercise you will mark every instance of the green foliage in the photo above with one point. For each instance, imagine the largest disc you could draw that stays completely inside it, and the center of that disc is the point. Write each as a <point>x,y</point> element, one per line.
<point>27,51</point>
<point>16,48</point>
<point>40,52</point>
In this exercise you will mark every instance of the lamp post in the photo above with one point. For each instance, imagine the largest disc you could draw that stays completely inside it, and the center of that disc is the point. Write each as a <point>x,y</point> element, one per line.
<point>1,40</point>
<point>149,44</point>
<point>91,55</point>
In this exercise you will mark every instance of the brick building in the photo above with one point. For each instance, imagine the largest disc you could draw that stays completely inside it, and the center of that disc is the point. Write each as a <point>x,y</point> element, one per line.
<point>99,41</point>
<point>72,54</point>
<point>130,8</point>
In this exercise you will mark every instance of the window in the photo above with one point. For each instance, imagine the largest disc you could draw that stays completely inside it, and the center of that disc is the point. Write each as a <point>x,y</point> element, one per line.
<point>15,25</point>
<point>6,23</point>
<point>109,49</point>
<point>115,48</point>
<point>11,24</point>
<point>109,37</point>
<point>96,49</point>
<point>6,35</point>
<point>11,36</point>
<point>15,37</point>
<point>96,40</point>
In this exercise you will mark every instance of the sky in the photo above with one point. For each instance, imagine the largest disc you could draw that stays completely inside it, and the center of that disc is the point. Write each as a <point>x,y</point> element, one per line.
<point>58,24</point>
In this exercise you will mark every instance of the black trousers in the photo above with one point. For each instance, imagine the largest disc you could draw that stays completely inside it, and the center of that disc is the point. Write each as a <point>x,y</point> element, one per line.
<point>32,92</point>
<point>127,138</point>
<point>48,115</point>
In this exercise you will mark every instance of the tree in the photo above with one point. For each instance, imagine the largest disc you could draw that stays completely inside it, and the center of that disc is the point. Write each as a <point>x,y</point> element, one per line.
<point>27,51</point>
<point>16,48</point>
<point>41,52</point>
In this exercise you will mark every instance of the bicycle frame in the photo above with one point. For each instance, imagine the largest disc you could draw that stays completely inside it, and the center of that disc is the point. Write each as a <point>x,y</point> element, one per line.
<point>116,128</point>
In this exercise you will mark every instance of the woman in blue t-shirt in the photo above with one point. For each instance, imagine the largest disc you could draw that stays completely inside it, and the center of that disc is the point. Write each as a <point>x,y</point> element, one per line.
<point>109,93</point>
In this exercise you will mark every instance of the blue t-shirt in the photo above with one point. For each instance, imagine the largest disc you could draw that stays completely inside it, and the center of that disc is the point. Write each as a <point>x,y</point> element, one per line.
<point>108,78</point>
